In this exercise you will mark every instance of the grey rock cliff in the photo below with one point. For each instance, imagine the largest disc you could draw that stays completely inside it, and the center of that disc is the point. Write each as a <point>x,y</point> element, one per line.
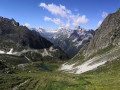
<point>107,33</point>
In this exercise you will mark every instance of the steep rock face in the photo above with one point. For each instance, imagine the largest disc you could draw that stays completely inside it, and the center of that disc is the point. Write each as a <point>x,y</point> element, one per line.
<point>108,32</point>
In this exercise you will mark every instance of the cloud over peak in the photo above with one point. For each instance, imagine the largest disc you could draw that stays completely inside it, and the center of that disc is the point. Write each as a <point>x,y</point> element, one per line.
<point>55,20</point>
<point>65,14</point>
<point>79,19</point>
<point>99,23</point>
<point>26,24</point>
<point>104,14</point>
<point>56,10</point>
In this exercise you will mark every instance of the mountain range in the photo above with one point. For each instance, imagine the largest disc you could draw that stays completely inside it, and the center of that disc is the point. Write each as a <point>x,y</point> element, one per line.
<point>69,40</point>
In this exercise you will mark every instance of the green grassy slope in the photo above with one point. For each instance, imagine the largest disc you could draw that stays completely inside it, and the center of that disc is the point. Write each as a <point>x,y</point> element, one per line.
<point>42,79</point>
<point>34,77</point>
<point>106,77</point>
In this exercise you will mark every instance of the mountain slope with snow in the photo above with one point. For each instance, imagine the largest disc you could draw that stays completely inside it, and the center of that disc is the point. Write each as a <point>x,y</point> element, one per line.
<point>19,42</point>
<point>103,48</point>
<point>72,40</point>
<point>69,40</point>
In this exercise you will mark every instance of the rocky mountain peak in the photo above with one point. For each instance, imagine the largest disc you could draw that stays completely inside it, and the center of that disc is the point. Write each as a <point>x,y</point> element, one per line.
<point>107,33</point>
<point>19,36</point>
<point>14,22</point>
<point>11,22</point>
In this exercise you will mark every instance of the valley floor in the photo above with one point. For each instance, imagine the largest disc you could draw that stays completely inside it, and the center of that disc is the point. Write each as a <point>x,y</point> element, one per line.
<point>36,78</point>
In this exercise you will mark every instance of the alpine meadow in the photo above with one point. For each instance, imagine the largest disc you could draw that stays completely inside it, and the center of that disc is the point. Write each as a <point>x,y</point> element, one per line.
<point>59,45</point>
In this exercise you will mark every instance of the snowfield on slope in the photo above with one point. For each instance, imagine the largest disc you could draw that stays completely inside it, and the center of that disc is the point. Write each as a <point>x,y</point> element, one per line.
<point>92,63</point>
<point>86,66</point>
<point>45,52</point>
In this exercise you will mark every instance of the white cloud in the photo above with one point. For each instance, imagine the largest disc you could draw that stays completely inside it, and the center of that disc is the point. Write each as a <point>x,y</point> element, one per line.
<point>47,18</point>
<point>56,10</point>
<point>104,14</point>
<point>26,24</point>
<point>55,20</point>
<point>58,21</point>
<point>79,20</point>
<point>99,23</point>
<point>65,14</point>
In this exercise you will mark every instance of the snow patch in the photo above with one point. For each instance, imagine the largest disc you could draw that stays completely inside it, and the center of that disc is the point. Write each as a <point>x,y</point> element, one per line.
<point>92,63</point>
<point>86,66</point>
<point>78,44</point>
<point>67,67</point>
<point>52,49</point>
<point>9,53</point>
<point>2,52</point>
<point>74,40</point>
<point>81,42</point>
<point>45,53</point>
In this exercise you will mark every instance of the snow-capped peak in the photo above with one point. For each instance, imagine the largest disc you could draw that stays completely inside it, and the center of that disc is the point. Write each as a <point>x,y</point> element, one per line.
<point>52,31</point>
<point>38,29</point>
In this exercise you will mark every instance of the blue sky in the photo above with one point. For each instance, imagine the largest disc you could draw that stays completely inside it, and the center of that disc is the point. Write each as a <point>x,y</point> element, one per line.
<point>51,14</point>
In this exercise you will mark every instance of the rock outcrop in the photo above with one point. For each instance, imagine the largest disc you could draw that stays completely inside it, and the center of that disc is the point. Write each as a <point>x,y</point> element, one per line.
<point>108,33</point>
